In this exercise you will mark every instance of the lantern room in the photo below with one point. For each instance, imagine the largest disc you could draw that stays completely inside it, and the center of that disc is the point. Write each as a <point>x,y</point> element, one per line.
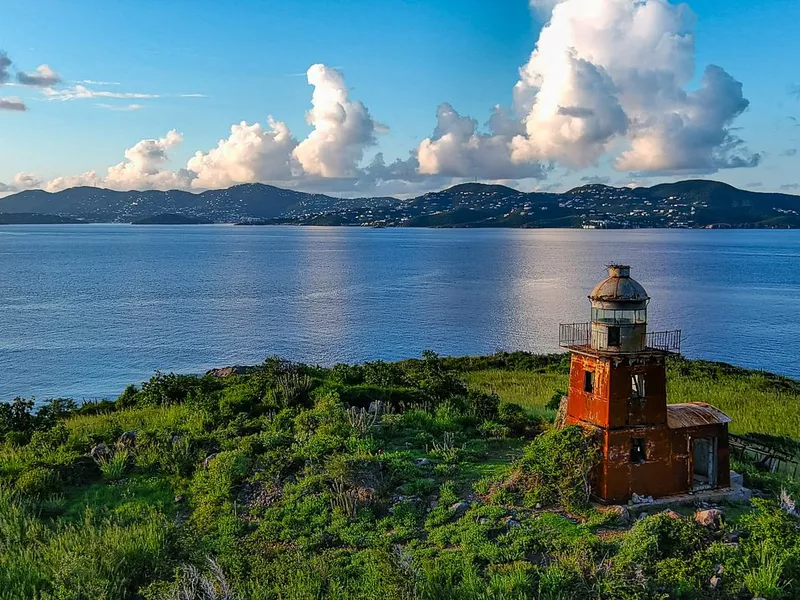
<point>619,312</point>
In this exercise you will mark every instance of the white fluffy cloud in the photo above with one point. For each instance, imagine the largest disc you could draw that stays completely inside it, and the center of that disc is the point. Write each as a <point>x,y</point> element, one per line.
<point>343,128</point>
<point>605,78</point>
<point>144,167</point>
<point>457,149</point>
<point>250,153</point>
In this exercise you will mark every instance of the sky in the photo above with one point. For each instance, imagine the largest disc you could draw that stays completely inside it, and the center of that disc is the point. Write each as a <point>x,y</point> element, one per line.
<point>398,97</point>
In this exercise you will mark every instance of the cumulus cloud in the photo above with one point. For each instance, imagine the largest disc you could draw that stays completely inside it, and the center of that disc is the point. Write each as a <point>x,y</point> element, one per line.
<point>250,153</point>
<point>44,76</point>
<point>604,78</point>
<point>26,181</point>
<point>144,167</point>
<point>457,149</point>
<point>343,128</point>
<point>789,152</point>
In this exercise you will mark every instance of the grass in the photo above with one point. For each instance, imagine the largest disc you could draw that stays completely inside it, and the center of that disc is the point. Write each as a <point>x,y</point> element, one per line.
<point>176,417</point>
<point>526,388</point>
<point>757,403</point>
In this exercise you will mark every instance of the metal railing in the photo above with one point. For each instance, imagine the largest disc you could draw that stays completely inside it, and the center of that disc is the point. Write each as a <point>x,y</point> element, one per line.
<point>580,335</point>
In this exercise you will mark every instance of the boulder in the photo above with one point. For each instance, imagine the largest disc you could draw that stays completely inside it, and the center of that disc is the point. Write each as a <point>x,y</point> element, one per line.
<point>459,508</point>
<point>712,517</point>
<point>622,514</point>
<point>715,582</point>
<point>99,452</point>
<point>672,514</point>
<point>422,462</point>
<point>127,440</point>
<point>227,371</point>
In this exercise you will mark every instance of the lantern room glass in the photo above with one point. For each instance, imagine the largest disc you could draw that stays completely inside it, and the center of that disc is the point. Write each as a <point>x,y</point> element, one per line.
<point>618,316</point>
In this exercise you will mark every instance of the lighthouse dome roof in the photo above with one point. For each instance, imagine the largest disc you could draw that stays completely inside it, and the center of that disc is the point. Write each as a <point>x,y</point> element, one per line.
<point>619,286</point>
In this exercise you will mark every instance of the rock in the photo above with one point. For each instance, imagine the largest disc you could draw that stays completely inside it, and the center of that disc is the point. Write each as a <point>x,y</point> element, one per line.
<point>622,514</point>
<point>511,522</point>
<point>740,495</point>
<point>719,569</point>
<point>737,479</point>
<point>227,371</point>
<point>459,508</point>
<point>538,506</point>
<point>712,517</point>
<point>715,582</point>
<point>99,452</point>
<point>643,515</point>
<point>637,499</point>
<point>422,462</point>
<point>731,538</point>
<point>127,440</point>
<point>207,460</point>
<point>178,499</point>
<point>672,514</point>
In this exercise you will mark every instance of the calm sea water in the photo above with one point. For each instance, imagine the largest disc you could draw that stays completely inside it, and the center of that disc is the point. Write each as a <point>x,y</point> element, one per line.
<point>85,310</point>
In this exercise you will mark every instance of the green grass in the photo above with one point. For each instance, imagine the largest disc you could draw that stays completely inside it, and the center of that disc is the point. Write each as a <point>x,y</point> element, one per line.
<point>176,417</point>
<point>526,388</point>
<point>757,403</point>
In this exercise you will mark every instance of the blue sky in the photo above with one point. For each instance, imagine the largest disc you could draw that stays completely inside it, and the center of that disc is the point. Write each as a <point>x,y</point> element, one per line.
<point>400,58</point>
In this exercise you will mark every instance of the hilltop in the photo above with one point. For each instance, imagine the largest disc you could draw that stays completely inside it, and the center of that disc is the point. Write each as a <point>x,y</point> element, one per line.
<point>692,203</point>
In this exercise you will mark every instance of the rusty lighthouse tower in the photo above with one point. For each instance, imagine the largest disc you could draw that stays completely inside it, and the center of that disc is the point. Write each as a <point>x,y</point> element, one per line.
<point>618,388</point>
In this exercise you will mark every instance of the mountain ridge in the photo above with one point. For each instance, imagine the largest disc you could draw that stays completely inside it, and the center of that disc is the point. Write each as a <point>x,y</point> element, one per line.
<point>688,203</point>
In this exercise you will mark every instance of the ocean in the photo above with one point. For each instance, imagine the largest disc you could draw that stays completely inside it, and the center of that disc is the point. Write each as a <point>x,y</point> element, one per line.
<point>87,309</point>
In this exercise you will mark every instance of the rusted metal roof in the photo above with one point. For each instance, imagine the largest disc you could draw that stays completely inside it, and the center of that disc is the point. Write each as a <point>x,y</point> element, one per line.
<point>619,286</point>
<point>694,414</point>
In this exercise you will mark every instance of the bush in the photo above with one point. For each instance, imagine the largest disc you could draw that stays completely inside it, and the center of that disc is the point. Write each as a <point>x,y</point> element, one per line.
<point>517,420</point>
<point>555,468</point>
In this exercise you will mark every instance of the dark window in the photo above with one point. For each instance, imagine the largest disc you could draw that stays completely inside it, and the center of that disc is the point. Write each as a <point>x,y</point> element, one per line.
<point>637,385</point>
<point>588,381</point>
<point>613,336</point>
<point>638,453</point>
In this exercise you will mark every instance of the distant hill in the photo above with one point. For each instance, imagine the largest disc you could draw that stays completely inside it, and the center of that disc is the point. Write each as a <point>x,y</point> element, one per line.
<point>692,203</point>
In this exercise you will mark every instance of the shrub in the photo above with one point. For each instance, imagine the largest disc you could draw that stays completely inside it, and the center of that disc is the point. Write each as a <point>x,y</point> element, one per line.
<point>114,467</point>
<point>517,420</point>
<point>555,468</point>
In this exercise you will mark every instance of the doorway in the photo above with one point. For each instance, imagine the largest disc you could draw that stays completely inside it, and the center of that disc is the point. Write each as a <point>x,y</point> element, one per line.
<point>704,463</point>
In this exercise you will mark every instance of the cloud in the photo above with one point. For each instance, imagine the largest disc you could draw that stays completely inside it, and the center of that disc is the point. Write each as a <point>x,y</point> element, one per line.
<point>5,188</point>
<point>101,83</point>
<point>5,62</point>
<point>755,184</point>
<point>457,149</point>
<point>12,104</point>
<point>596,179</point>
<point>44,76</point>
<point>250,153</point>
<point>794,91</point>
<point>343,128</point>
<point>120,108</point>
<point>791,186</point>
<point>144,167</point>
<point>26,181</point>
<point>80,92</point>
<point>192,96</point>
<point>789,152</point>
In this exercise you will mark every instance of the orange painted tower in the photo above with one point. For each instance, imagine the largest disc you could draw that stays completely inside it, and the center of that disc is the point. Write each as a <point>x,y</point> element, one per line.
<point>618,387</point>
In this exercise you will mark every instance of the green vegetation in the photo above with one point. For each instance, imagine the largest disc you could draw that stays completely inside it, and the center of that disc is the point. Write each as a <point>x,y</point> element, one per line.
<point>437,478</point>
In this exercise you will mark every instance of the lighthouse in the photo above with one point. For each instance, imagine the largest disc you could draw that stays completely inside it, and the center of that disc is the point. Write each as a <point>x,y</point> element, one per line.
<point>618,390</point>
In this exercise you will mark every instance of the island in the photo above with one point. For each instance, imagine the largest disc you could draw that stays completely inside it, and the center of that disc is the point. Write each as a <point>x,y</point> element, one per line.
<point>171,219</point>
<point>427,478</point>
